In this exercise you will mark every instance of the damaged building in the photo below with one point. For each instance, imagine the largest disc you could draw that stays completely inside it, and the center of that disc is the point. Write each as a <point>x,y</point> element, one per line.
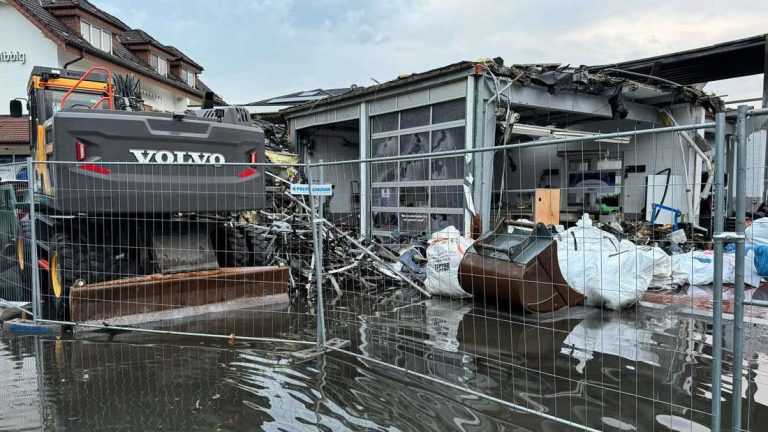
<point>485,104</point>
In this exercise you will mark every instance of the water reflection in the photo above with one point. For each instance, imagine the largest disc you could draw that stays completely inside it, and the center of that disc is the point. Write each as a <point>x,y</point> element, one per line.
<point>443,319</point>
<point>593,367</point>
<point>115,385</point>
<point>21,408</point>
<point>636,370</point>
<point>609,336</point>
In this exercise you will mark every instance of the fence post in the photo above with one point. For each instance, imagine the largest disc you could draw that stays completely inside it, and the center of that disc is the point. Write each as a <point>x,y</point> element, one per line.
<point>317,242</point>
<point>33,264</point>
<point>738,295</point>
<point>717,298</point>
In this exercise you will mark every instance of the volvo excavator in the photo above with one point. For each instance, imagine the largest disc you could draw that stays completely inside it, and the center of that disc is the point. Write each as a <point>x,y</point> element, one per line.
<point>137,212</point>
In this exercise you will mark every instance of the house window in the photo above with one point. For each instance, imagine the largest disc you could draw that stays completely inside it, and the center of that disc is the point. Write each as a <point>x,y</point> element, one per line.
<point>159,64</point>
<point>188,77</point>
<point>96,36</point>
<point>106,41</point>
<point>85,30</point>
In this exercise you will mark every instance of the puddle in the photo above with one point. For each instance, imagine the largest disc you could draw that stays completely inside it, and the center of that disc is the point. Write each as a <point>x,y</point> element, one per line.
<point>642,369</point>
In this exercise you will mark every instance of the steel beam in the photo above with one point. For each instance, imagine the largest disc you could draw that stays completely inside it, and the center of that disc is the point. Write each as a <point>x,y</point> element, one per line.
<point>597,106</point>
<point>471,161</point>
<point>364,178</point>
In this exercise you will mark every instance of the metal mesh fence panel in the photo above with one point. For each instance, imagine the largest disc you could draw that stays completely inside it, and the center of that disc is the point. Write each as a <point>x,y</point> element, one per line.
<point>749,349</point>
<point>569,278</point>
<point>146,246</point>
<point>15,265</point>
<point>577,280</point>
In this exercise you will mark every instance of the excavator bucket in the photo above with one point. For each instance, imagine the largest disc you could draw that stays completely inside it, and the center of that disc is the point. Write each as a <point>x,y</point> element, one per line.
<point>516,266</point>
<point>157,297</point>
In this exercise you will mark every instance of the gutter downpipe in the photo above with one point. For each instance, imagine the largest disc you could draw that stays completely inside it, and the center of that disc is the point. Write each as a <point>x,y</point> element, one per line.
<point>71,62</point>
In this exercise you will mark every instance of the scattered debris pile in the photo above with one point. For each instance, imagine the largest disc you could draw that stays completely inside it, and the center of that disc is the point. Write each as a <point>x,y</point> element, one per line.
<point>643,233</point>
<point>284,238</point>
<point>556,77</point>
<point>646,256</point>
<point>275,136</point>
<point>280,153</point>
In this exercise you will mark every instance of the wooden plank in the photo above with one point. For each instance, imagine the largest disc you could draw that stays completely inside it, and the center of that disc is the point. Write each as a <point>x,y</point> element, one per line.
<point>547,206</point>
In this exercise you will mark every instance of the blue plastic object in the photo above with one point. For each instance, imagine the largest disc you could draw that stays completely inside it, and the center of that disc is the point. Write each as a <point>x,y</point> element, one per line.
<point>30,327</point>
<point>22,174</point>
<point>675,211</point>
<point>761,259</point>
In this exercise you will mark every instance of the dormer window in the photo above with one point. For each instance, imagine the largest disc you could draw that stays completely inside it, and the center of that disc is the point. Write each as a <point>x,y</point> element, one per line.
<point>159,64</point>
<point>188,77</point>
<point>96,36</point>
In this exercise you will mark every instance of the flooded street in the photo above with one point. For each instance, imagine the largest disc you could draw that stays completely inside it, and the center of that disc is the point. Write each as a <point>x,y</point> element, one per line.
<point>75,385</point>
<point>641,369</point>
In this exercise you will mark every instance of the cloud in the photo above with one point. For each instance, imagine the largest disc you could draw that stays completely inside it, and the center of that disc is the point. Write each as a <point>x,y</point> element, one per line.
<point>256,49</point>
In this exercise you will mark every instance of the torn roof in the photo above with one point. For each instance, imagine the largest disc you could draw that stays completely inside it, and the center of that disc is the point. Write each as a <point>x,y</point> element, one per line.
<point>552,76</point>
<point>725,60</point>
<point>607,82</point>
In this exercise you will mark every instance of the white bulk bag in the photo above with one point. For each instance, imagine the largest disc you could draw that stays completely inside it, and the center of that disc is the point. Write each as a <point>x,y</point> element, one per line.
<point>606,271</point>
<point>696,265</point>
<point>579,252</point>
<point>757,233</point>
<point>444,253</point>
<point>626,275</point>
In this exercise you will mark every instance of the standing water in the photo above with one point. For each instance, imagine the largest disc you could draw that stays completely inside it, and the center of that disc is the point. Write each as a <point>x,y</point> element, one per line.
<point>637,370</point>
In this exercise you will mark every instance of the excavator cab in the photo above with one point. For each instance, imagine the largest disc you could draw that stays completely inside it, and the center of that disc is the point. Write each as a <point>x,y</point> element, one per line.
<point>47,88</point>
<point>51,90</point>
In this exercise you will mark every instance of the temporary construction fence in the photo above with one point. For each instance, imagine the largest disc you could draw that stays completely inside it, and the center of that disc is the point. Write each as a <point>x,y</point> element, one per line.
<point>469,267</point>
<point>490,350</point>
<point>156,244</point>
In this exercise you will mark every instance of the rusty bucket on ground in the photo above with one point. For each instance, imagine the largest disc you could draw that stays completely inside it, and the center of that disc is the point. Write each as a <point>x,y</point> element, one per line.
<point>516,266</point>
<point>157,297</point>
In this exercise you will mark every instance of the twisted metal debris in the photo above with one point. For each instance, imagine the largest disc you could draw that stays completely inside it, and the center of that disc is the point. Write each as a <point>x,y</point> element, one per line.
<point>283,237</point>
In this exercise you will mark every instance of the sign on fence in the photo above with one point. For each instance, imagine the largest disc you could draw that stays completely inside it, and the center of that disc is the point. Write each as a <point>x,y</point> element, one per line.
<point>317,190</point>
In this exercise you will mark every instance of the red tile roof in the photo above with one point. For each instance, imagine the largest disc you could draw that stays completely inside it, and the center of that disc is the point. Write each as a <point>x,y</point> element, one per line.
<point>86,6</point>
<point>120,55</point>
<point>14,130</point>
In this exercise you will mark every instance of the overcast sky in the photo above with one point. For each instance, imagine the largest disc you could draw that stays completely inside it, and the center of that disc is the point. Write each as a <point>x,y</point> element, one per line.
<point>255,49</point>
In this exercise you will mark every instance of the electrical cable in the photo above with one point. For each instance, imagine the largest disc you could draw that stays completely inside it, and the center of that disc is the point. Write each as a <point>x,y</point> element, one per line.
<point>666,188</point>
